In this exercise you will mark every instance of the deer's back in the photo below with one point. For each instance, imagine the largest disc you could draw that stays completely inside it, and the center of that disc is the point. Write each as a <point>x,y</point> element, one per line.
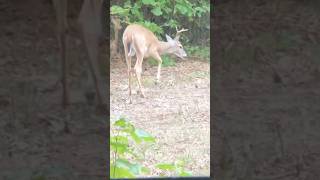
<point>139,33</point>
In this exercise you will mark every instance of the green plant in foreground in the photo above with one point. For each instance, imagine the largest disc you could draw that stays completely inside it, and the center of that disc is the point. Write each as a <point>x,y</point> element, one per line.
<point>178,168</point>
<point>126,159</point>
<point>127,145</point>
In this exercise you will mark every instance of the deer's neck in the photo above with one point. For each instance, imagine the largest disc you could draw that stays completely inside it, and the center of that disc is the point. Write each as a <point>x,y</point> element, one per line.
<point>164,47</point>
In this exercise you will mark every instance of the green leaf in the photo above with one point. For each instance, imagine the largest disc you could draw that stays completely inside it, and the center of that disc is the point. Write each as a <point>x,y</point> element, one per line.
<point>136,12</point>
<point>145,170</point>
<point>133,168</point>
<point>156,11</point>
<point>120,148</point>
<point>117,10</point>
<point>119,139</point>
<point>168,61</point>
<point>136,138</point>
<point>151,26</point>
<point>166,166</point>
<point>127,4</point>
<point>123,163</point>
<point>185,173</point>
<point>182,9</point>
<point>120,172</point>
<point>119,144</point>
<point>144,135</point>
<point>129,129</point>
<point>173,23</point>
<point>121,122</point>
<point>148,2</point>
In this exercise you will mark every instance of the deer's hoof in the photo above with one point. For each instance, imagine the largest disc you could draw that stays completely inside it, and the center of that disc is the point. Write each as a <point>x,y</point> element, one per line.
<point>142,95</point>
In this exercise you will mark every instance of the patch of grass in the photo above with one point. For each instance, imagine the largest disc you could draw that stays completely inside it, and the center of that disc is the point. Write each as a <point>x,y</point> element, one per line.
<point>201,52</point>
<point>167,61</point>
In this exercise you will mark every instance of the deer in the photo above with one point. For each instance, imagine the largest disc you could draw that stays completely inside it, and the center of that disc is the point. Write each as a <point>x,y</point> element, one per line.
<point>141,42</point>
<point>90,20</point>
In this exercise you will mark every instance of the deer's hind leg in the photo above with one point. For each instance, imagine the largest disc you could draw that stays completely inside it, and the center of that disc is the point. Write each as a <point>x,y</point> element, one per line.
<point>129,71</point>
<point>138,71</point>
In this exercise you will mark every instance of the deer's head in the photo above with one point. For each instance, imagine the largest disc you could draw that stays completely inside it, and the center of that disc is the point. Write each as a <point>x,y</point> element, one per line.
<point>176,46</point>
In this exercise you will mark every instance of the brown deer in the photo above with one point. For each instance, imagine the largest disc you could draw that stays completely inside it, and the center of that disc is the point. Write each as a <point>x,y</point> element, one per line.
<point>90,20</point>
<point>142,43</point>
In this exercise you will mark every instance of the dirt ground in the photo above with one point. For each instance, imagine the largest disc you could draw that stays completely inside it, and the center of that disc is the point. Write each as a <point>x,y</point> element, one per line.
<point>176,111</point>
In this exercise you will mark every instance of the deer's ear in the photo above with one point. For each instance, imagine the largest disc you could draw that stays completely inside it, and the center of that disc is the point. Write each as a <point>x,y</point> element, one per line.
<point>169,39</point>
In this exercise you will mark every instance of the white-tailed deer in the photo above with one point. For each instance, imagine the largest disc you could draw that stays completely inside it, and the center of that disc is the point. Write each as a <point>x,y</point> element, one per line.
<point>90,19</point>
<point>141,42</point>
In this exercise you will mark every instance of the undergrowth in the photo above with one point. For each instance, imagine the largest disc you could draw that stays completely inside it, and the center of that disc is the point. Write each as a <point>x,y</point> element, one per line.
<point>201,52</point>
<point>128,146</point>
<point>167,61</point>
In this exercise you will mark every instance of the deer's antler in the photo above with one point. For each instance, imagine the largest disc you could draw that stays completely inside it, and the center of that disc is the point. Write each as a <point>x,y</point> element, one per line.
<point>179,33</point>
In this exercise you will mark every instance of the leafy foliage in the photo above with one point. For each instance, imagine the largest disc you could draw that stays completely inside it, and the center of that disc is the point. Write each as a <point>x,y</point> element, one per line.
<point>127,155</point>
<point>178,167</point>
<point>197,51</point>
<point>166,61</point>
<point>161,16</point>
<point>122,148</point>
<point>173,12</point>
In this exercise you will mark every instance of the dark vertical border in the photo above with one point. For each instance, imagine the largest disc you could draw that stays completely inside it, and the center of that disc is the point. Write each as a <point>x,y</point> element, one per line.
<point>106,11</point>
<point>211,87</point>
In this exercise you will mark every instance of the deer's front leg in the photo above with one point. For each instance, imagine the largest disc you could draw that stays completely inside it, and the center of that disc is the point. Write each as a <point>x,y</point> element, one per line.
<point>158,58</point>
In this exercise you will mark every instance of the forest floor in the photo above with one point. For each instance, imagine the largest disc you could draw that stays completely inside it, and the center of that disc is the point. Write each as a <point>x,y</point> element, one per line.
<point>176,111</point>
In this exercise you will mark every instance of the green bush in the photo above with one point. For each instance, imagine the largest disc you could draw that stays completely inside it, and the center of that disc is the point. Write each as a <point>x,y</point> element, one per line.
<point>128,145</point>
<point>160,15</point>
<point>166,61</point>
<point>198,52</point>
